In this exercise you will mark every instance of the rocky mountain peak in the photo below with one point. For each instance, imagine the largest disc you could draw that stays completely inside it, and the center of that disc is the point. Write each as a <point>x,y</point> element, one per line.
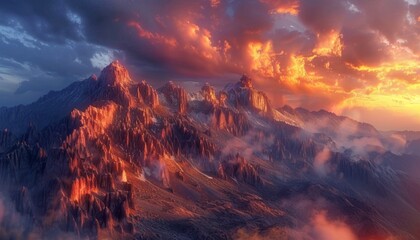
<point>246,81</point>
<point>93,77</point>
<point>115,74</point>
<point>175,95</point>
<point>209,93</point>
<point>243,94</point>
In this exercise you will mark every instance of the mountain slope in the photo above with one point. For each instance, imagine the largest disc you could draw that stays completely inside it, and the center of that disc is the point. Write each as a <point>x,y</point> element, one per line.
<point>114,157</point>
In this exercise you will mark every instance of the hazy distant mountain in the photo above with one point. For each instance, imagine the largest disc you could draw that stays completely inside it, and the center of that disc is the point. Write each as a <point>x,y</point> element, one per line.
<point>110,157</point>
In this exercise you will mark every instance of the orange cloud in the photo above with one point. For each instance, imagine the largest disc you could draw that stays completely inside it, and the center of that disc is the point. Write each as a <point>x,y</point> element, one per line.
<point>292,9</point>
<point>395,94</point>
<point>326,229</point>
<point>214,3</point>
<point>198,40</point>
<point>329,44</point>
<point>319,57</point>
<point>283,7</point>
<point>263,59</point>
<point>154,37</point>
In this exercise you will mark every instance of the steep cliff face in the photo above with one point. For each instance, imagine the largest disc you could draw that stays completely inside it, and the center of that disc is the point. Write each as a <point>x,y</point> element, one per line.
<point>243,94</point>
<point>148,94</point>
<point>219,115</point>
<point>237,168</point>
<point>175,96</point>
<point>229,120</point>
<point>115,74</point>
<point>22,164</point>
<point>209,94</point>
<point>180,137</point>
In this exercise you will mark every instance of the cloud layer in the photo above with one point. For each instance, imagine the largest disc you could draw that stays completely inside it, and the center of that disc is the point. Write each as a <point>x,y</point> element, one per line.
<point>341,55</point>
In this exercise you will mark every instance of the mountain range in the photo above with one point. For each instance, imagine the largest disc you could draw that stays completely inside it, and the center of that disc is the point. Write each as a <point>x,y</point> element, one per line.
<point>111,157</point>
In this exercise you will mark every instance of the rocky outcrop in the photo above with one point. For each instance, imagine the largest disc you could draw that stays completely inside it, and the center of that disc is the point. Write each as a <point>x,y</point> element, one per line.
<point>147,94</point>
<point>243,94</point>
<point>87,184</point>
<point>90,214</point>
<point>238,168</point>
<point>219,115</point>
<point>22,164</point>
<point>286,150</point>
<point>175,96</point>
<point>115,74</point>
<point>23,202</point>
<point>223,97</point>
<point>209,94</point>
<point>229,120</point>
<point>182,138</point>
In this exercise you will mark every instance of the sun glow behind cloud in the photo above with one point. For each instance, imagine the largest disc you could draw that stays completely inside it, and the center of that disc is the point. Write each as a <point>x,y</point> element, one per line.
<point>356,79</point>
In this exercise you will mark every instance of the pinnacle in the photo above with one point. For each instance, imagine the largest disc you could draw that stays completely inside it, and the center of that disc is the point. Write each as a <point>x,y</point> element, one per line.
<point>115,73</point>
<point>246,81</point>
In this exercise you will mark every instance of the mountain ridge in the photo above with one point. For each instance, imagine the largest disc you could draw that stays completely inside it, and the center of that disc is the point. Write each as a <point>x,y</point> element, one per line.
<point>123,159</point>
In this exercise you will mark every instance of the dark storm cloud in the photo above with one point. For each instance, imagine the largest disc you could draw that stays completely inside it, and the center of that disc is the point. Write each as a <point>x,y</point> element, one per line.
<point>363,47</point>
<point>56,64</point>
<point>322,15</point>
<point>49,20</point>
<point>387,16</point>
<point>149,32</point>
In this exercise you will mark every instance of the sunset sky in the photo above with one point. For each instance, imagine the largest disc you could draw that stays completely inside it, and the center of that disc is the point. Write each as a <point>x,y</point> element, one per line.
<point>360,58</point>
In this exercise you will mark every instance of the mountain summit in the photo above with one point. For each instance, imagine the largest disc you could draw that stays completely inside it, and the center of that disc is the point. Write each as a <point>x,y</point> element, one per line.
<point>243,94</point>
<point>115,158</point>
<point>246,81</point>
<point>115,74</point>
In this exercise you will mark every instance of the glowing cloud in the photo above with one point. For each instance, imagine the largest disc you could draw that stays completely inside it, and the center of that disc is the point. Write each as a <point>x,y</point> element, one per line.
<point>329,44</point>
<point>263,59</point>
<point>326,229</point>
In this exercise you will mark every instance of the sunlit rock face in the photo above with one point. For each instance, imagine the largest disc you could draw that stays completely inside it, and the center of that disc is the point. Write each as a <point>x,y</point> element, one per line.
<point>209,94</point>
<point>175,96</point>
<point>22,163</point>
<point>110,157</point>
<point>228,120</point>
<point>243,94</point>
<point>115,74</point>
<point>222,97</point>
<point>147,94</point>
<point>246,81</point>
<point>183,139</point>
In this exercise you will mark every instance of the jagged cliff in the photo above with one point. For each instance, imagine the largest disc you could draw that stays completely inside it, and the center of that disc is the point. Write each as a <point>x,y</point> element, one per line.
<point>243,94</point>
